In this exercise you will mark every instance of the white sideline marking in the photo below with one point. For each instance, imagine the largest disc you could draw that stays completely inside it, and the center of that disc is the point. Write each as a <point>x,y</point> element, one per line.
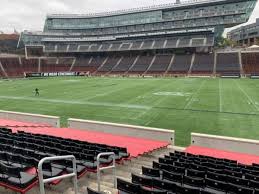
<point>248,97</point>
<point>220,97</point>
<point>107,104</point>
<point>194,94</point>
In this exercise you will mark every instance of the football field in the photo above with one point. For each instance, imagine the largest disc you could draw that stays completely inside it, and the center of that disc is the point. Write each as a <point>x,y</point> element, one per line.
<point>228,107</point>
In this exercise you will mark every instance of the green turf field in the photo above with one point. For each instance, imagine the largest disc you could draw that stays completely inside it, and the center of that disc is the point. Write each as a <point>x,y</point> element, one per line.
<point>227,107</point>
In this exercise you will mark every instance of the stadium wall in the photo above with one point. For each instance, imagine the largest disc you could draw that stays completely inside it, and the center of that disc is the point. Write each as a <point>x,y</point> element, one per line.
<point>120,129</point>
<point>246,146</point>
<point>33,118</point>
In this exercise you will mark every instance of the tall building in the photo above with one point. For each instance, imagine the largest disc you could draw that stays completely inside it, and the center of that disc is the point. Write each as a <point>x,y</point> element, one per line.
<point>246,35</point>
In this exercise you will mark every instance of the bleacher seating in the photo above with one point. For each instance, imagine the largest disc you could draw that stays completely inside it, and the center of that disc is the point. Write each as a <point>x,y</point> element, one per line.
<point>250,63</point>
<point>110,63</point>
<point>12,66</point>
<point>30,65</point>
<point>53,65</point>
<point>20,152</point>
<point>81,65</point>
<point>183,173</point>
<point>181,64</point>
<point>141,65</point>
<point>160,64</point>
<point>203,64</point>
<point>124,65</point>
<point>228,63</point>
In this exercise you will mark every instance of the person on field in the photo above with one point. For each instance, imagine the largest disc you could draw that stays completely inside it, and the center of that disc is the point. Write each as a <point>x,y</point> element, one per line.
<point>37,93</point>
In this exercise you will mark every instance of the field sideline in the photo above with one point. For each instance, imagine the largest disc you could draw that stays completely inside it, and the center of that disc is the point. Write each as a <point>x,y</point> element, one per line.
<point>227,107</point>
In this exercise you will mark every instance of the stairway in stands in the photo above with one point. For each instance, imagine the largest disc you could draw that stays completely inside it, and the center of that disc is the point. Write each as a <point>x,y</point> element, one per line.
<point>124,171</point>
<point>90,180</point>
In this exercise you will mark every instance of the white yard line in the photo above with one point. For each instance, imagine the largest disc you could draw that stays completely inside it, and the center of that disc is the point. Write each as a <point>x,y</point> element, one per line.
<point>248,97</point>
<point>107,104</point>
<point>194,94</point>
<point>220,96</point>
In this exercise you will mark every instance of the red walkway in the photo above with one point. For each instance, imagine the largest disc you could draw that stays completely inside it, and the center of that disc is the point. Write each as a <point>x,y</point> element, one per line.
<point>135,146</point>
<point>240,157</point>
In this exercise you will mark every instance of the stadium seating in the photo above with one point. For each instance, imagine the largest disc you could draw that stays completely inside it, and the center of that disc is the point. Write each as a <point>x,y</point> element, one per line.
<point>250,63</point>
<point>88,64</point>
<point>228,63</point>
<point>20,152</point>
<point>184,173</point>
<point>108,66</point>
<point>124,65</point>
<point>12,66</point>
<point>160,64</point>
<point>52,65</point>
<point>203,64</point>
<point>30,65</point>
<point>141,65</point>
<point>181,64</point>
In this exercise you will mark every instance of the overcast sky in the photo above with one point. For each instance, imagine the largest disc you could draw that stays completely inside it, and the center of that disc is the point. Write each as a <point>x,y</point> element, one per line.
<point>30,14</point>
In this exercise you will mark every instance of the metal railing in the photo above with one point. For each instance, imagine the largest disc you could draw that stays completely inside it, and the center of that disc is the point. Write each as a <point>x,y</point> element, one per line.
<point>42,181</point>
<point>99,169</point>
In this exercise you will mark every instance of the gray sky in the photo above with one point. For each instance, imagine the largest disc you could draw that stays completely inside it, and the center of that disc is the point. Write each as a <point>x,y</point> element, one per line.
<point>30,14</point>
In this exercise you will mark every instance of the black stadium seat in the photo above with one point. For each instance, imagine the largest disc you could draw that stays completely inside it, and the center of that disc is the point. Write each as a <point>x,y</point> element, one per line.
<point>144,181</point>
<point>125,187</point>
<point>13,176</point>
<point>151,172</point>
<point>174,177</point>
<point>236,189</point>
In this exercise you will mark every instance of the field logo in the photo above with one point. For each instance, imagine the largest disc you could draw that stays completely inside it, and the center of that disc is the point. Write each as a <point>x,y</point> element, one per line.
<point>171,94</point>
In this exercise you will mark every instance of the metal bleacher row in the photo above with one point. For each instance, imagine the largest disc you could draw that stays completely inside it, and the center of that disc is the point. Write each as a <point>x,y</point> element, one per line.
<point>184,173</point>
<point>21,152</point>
<point>228,63</point>
<point>182,42</point>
